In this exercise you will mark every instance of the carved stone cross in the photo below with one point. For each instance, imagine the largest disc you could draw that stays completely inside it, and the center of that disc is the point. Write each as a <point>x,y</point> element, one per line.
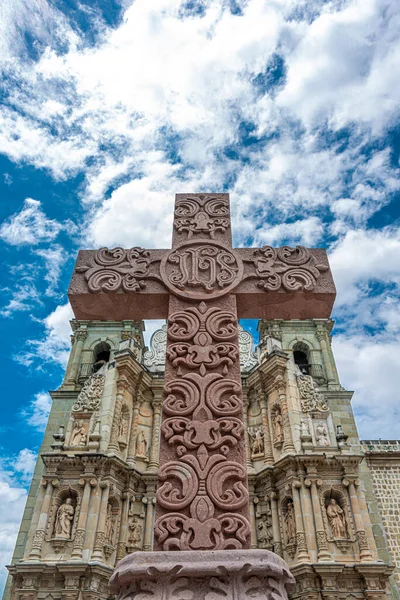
<point>202,286</point>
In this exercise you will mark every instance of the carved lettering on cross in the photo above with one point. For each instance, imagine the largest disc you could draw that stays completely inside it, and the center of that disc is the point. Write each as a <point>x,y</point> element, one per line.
<point>202,285</point>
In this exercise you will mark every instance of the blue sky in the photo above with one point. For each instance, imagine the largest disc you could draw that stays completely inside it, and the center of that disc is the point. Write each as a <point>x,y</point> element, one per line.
<point>109,108</point>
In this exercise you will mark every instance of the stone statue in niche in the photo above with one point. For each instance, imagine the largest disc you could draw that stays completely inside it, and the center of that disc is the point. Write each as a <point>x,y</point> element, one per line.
<point>141,445</point>
<point>257,441</point>
<point>336,519</point>
<point>64,519</point>
<point>290,523</point>
<point>321,435</point>
<point>135,532</point>
<point>278,428</point>
<point>78,436</point>
<point>110,525</point>
<point>123,428</point>
<point>305,430</point>
<point>264,535</point>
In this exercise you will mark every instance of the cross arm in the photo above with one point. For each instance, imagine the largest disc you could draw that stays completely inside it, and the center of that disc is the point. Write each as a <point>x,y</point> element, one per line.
<point>118,284</point>
<point>285,283</point>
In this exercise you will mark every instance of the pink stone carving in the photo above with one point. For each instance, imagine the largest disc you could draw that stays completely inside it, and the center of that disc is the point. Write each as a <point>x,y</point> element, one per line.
<point>233,575</point>
<point>202,496</point>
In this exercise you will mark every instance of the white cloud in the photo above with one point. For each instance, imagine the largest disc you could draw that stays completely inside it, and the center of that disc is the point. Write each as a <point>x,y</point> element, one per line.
<point>304,231</point>
<point>38,412</point>
<point>55,345</point>
<point>29,226</point>
<point>363,256</point>
<point>25,463</point>
<point>54,258</point>
<point>370,366</point>
<point>23,297</point>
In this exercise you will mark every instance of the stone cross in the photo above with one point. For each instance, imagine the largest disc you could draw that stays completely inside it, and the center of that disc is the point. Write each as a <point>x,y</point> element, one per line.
<point>202,286</point>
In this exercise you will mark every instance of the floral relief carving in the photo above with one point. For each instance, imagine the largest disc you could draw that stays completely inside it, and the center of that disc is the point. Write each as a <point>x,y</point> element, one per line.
<point>117,269</point>
<point>203,337</point>
<point>293,269</point>
<point>202,422</point>
<point>310,397</point>
<point>90,395</point>
<point>202,215</point>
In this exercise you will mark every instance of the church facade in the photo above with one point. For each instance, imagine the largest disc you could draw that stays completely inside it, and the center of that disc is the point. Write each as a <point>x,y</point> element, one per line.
<point>324,501</point>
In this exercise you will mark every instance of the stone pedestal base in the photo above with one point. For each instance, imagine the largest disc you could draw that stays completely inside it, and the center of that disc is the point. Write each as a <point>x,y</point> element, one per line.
<point>201,575</point>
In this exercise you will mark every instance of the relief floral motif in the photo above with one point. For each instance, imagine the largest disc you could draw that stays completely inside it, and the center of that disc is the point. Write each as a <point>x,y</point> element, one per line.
<point>292,269</point>
<point>117,269</point>
<point>203,337</point>
<point>202,422</point>
<point>202,215</point>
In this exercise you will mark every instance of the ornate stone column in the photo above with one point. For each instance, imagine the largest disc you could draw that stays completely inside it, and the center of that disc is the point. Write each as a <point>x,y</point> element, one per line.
<point>253,524</point>
<point>322,337</point>
<point>149,501</point>
<point>79,540</point>
<point>280,384</point>
<point>365,552</point>
<point>80,336</point>
<point>322,542</point>
<point>40,532</point>
<point>123,531</point>
<point>276,532</point>
<point>308,518</point>
<point>155,432</point>
<point>302,551</point>
<point>246,432</point>
<point>268,454</point>
<point>99,540</point>
<point>131,458</point>
<point>122,387</point>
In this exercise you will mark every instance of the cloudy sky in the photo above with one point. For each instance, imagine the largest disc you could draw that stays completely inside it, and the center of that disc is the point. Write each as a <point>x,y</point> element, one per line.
<point>109,107</point>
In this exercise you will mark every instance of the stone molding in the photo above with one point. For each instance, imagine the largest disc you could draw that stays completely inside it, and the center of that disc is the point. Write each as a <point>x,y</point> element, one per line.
<point>256,574</point>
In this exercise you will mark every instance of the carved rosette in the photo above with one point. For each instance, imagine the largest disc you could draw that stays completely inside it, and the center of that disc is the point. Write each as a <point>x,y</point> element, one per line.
<point>201,270</point>
<point>202,498</point>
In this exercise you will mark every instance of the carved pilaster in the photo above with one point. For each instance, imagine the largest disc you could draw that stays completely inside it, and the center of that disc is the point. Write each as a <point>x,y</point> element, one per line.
<point>268,454</point>
<point>322,543</point>
<point>280,385</point>
<point>122,387</point>
<point>155,435</point>
<point>100,537</point>
<point>302,550</point>
<point>39,534</point>
<point>365,552</point>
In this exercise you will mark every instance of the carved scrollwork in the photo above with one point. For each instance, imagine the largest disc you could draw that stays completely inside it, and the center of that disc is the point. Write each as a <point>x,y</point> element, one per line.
<point>202,215</point>
<point>90,395</point>
<point>203,423</point>
<point>293,269</point>
<point>117,269</point>
<point>204,336</point>
<point>310,397</point>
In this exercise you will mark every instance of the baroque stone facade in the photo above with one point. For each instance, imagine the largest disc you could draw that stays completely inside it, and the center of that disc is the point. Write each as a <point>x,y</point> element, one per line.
<point>314,499</point>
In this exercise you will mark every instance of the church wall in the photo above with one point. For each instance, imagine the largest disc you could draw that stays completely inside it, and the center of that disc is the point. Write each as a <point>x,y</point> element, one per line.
<point>285,464</point>
<point>383,460</point>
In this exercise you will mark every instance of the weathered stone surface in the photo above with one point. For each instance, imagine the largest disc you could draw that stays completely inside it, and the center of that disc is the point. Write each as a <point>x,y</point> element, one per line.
<point>255,574</point>
<point>265,287</point>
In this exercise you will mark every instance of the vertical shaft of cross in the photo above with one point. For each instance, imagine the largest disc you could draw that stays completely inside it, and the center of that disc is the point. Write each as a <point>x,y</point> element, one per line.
<point>202,496</point>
